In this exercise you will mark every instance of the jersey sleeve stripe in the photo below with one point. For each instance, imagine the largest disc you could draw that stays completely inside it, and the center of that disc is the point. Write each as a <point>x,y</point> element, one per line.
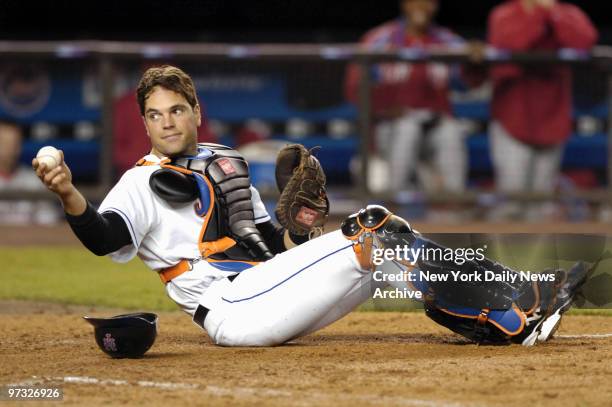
<point>262,219</point>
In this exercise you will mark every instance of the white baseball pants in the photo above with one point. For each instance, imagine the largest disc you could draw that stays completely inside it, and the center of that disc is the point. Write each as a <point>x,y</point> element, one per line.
<point>295,293</point>
<point>403,138</point>
<point>521,167</point>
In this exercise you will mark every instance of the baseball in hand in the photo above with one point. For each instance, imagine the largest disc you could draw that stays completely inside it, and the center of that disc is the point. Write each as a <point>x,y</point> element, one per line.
<point>50,156</point>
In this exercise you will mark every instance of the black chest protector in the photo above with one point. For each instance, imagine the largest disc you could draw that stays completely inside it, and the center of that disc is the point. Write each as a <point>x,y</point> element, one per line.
<point>232,211</point>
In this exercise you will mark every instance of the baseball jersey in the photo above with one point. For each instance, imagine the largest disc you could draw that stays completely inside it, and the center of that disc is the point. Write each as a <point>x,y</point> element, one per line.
<point>534,103</point>
<point>403,85</point>
<point>162,233</point>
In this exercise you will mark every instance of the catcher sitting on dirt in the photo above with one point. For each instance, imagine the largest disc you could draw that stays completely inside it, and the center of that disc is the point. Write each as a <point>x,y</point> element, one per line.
<point>190,213</point>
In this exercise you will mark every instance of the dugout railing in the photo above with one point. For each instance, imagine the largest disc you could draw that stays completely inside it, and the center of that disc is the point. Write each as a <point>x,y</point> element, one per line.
<point>105,57</point>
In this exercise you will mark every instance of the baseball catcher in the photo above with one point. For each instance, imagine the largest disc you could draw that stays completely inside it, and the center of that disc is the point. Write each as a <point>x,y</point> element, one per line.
<point>190,213</point>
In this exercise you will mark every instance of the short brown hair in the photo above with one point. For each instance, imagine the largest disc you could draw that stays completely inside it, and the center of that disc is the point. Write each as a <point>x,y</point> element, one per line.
<point>168,77</point>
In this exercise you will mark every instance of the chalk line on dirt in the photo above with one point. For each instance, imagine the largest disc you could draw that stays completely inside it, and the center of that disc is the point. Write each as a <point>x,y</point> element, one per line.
<point>584,336</point>
<point>240,391</point>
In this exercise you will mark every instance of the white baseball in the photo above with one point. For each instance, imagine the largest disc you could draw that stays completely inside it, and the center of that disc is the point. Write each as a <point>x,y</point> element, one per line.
<point>50,156</point>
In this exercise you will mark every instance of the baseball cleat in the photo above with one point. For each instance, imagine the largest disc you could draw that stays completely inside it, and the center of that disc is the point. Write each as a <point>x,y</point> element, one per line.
<point>549,327</point>
<point>534,330</point>
<point>570,285</point>
<point>543,325</point>
<point>534,320</point>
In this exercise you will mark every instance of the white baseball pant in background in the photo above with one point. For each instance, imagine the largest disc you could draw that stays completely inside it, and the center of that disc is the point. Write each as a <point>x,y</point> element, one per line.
<point>403,139</point>
<point>521,167</point>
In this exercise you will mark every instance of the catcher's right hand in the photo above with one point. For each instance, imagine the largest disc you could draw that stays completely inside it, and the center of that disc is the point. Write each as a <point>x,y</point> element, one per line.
<point>57,180</point>
<point>303,203</point>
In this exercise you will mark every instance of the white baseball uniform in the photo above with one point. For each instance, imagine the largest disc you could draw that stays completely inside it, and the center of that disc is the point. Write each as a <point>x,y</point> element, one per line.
<point>294,293</point>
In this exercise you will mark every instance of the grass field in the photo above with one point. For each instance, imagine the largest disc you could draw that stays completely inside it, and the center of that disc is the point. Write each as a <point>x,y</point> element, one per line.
<point>71,275</point>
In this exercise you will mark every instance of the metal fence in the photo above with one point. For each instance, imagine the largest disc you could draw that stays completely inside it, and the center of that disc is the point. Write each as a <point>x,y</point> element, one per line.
<point>310,77</point>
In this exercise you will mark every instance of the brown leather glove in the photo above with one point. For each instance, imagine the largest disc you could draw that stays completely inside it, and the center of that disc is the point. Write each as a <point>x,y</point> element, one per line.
<point>303,203</point>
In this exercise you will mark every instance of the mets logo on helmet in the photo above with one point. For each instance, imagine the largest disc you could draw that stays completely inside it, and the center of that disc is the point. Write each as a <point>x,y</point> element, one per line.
<point>109,343</point>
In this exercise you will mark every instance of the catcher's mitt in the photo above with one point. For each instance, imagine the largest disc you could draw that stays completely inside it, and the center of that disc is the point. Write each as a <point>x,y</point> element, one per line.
<point>303,203</point>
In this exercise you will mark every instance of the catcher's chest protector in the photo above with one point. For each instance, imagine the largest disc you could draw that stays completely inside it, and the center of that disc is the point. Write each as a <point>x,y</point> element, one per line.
<point>232,215</point>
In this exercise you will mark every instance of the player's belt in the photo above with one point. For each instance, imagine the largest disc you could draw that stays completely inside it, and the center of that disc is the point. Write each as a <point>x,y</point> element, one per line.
<point>206,248</point>
<point>218,246</point>
<point>202,312</point>
<point>170,273</point>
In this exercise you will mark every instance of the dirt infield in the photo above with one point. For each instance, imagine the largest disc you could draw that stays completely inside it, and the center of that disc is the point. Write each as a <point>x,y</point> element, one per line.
<point>366,359</point>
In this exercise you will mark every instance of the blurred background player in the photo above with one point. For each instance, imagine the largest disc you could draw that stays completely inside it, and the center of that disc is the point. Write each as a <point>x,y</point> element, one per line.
<point>411,101</point>
<point>12,174</point>
<point>532,105</point>
<point>17,177</point>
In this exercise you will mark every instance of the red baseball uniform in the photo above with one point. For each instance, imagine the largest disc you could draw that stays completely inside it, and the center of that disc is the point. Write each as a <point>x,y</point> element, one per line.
<point>534,103</point>
<point>398,85</point>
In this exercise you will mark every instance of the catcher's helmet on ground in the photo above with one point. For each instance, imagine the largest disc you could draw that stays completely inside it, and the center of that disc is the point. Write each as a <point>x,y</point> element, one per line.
<point>125,336</point>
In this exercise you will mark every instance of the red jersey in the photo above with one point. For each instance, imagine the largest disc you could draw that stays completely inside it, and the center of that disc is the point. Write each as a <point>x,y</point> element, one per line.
<point>399,85</point>
<point>534,104</point>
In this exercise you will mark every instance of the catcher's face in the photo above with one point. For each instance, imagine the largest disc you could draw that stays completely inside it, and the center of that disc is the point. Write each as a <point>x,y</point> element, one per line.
<point>420,13</point>
<point>172,124</point>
